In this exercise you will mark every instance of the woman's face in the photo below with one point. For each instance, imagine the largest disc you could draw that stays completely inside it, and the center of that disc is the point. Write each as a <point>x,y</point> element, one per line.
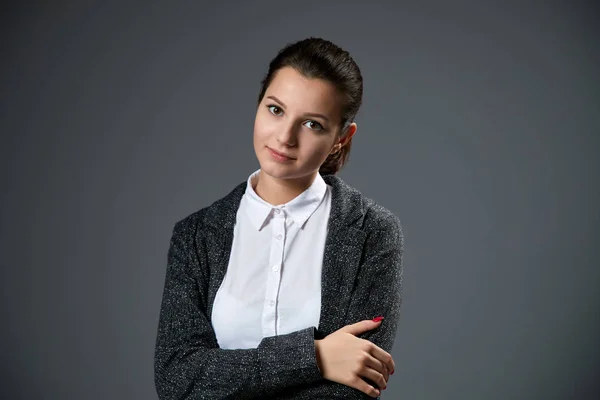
<point>298,117</point>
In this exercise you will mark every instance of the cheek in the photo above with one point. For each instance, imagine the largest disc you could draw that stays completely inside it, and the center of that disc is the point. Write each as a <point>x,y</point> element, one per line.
<point>258,131</point>
<point>319,149</point>
<point>261,127</point>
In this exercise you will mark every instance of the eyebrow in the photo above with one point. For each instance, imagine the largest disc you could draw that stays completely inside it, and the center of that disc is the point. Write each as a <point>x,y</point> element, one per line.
<point>306,114</point>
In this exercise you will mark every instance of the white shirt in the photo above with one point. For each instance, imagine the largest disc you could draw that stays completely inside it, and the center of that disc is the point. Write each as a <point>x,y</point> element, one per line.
<point>273,281</point>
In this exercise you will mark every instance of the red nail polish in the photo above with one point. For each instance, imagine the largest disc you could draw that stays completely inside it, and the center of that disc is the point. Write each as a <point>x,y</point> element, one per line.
<point>377,319</point>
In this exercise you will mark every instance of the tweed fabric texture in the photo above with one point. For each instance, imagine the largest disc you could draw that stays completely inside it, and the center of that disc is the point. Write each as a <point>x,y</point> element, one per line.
<point>361,279</point>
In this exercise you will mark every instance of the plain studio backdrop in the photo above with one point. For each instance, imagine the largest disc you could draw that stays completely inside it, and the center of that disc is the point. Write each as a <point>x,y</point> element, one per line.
<point>479,129</point>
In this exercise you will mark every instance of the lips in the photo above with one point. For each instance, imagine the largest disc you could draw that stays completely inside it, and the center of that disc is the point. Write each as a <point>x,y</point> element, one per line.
<point>280,154</point>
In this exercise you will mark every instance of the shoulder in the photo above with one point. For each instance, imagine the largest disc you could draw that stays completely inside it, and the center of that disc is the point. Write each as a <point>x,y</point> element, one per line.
<point>383,229</point>
<point>220,213</point>
<point>373,215</point>
<point>380,222</point>
<point>378,217</point>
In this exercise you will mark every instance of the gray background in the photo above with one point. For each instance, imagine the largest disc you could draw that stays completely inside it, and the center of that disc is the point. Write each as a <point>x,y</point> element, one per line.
<point>479,129</point>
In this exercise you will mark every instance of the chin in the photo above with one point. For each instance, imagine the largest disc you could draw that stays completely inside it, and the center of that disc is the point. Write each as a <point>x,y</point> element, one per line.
<point>277,170</point>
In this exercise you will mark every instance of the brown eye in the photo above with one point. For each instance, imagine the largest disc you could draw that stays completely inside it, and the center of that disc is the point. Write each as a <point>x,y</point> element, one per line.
<point>271,108</point>
<point>316,126</point>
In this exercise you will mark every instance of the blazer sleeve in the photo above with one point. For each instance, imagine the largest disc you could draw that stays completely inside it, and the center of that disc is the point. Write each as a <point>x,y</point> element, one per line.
<point>188,363</point>
<point>378,288</point>
<point>377,292</point>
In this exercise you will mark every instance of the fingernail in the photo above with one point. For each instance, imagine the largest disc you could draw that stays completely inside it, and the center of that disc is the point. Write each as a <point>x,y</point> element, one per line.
<point>377,319</point>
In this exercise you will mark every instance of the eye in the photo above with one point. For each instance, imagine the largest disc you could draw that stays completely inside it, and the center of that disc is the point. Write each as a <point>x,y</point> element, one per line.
<point>277,111</point>
<point>271,107</point>
<point>318,127</point>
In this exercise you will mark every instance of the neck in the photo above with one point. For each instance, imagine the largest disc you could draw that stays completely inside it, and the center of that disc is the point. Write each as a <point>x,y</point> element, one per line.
<point>280,191</point>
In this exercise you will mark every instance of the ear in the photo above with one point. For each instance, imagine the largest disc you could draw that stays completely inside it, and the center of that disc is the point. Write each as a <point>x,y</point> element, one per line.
<point>350,131</point>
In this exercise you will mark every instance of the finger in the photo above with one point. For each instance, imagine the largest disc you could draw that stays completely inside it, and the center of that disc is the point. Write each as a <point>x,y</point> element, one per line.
<point>382,356</point>
<point>374,376</point>
<point>365,387</point>
<point>360,327</point>
<point>378,366</point>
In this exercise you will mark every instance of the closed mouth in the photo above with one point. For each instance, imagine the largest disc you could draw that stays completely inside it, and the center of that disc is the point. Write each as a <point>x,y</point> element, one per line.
<point>283,155</point>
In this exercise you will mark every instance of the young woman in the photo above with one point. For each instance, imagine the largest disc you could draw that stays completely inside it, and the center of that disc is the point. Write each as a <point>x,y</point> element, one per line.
<point>271,291</point>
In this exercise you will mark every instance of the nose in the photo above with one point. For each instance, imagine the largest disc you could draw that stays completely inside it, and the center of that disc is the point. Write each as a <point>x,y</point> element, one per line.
<point>287,135</point>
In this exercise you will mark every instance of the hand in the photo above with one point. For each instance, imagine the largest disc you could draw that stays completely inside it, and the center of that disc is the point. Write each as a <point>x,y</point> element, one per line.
<point>344,358</point>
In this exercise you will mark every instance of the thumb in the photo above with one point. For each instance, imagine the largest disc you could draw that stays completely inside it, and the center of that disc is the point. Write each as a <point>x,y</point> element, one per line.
<point>362,326</point>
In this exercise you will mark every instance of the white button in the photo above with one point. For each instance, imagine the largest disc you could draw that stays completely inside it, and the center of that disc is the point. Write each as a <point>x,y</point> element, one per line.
<point>277,211</point>
<point>278,237</point>
<point>276,267</point>
<point>271,303</point>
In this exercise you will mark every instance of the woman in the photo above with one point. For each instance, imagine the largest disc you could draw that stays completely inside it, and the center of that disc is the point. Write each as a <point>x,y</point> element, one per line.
<point>270,291</point>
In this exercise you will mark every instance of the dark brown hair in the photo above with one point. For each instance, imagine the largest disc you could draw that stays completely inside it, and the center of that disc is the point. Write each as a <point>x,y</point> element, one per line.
<point>320,59</point>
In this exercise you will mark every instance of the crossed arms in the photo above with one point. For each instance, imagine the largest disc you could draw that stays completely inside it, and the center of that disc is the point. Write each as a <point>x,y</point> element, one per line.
<point>189,364</point>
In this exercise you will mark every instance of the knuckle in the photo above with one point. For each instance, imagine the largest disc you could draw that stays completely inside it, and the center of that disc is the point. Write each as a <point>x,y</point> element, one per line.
<point>363,358</point>
<point>357,369</point>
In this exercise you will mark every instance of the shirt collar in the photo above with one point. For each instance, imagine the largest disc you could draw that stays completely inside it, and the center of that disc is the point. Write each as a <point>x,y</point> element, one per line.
<point>299,208</point>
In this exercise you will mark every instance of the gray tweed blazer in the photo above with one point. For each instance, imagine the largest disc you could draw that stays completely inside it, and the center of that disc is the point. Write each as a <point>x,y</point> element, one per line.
<point>361,279</point>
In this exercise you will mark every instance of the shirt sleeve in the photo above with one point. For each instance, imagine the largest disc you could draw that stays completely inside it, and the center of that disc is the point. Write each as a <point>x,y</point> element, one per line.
<point>377,292</point>
<point>188,363</point>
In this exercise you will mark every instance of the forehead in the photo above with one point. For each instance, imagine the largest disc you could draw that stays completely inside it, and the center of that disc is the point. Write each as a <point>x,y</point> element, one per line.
<point>305,94</point>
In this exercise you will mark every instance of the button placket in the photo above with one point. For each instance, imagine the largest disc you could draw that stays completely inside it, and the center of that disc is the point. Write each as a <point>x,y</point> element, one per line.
<point>280,241</point>
<point>270,317</point>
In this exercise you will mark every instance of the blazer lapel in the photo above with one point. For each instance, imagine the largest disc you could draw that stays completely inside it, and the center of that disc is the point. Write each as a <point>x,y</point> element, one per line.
<point>218,239</point>
<point>343,251</point>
